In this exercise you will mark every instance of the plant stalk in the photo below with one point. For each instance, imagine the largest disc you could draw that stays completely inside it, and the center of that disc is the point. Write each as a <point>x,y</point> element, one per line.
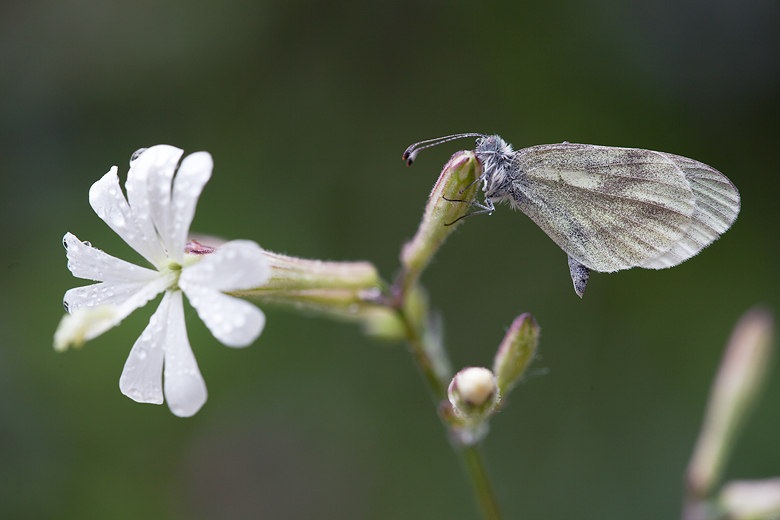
<point>471,456</point>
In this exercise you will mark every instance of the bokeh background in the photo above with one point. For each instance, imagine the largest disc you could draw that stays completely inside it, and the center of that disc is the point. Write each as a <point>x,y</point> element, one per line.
<point>306,108</point>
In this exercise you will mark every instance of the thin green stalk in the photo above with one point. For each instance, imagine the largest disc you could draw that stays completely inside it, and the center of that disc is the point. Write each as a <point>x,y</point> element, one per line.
<point>437,387</point>
<point>475,468</point>
<point>472,458</point>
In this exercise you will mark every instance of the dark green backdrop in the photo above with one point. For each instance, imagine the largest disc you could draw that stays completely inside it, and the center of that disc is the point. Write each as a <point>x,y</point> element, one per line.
<point>306,108</point>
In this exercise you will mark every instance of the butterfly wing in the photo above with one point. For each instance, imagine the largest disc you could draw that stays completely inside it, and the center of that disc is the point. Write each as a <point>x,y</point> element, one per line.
<point>717,207</point>
<point>617,208</point>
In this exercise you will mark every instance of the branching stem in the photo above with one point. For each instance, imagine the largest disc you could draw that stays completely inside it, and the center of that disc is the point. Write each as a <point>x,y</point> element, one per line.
<point>471,456</point>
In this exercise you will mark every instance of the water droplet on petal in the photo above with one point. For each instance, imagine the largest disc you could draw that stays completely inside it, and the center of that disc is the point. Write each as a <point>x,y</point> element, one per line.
<point>65,243</point>
<point>141,354</point>
<point>65,304</point>
<point>88,244</point>
<point>136,155</point>
<point>116,218</point>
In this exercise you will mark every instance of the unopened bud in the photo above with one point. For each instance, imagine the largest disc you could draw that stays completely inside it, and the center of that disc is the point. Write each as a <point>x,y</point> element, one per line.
<point>473,393</point>
<point>516,352</point>
<point>456,182</point>
<point>752,499</point>
<point>736,389</point>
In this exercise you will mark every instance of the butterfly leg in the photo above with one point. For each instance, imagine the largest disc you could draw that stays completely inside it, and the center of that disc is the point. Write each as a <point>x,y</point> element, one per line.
<point>488,208</point>
<point>579,276</point>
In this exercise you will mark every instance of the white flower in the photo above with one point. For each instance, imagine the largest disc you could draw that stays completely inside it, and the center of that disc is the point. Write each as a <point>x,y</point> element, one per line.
<point>155,220</point>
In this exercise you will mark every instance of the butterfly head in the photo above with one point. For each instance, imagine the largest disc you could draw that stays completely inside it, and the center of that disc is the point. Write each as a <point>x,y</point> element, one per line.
<point>495,155</point>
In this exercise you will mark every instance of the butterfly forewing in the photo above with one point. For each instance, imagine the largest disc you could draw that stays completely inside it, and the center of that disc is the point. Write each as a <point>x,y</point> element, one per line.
<point>717,207</point>
<point>608,208</point>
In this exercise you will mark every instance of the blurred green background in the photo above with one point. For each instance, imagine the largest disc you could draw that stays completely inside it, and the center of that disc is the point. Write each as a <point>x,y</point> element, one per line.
<point>306,108</point>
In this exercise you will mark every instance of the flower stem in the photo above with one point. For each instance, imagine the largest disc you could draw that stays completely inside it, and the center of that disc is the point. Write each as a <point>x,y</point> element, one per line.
<point>435,370</point>
<point>475,468</point>
<point>425,364</point>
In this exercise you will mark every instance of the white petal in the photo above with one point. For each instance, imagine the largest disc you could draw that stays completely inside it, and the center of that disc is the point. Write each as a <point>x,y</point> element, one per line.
<point>149,182</point>
<point>125,297</point>
<point>106,198</point>
<point>150,178</point>
<point>192,176</point>
<point>185,389</point>
<point>141,378</point>
<point>83,325</point>
<point>234,322</point>
<point>90,263</point>
<point>239,264</point>
<point>104,293</point>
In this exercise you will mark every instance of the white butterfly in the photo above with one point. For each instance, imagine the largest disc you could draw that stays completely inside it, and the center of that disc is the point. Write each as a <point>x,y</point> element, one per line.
<point>607,208</point>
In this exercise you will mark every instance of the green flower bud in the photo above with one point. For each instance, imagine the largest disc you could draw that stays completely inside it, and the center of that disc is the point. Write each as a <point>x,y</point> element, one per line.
<point>382,323</point>
<point>456,182</point>
<point>736,389</point>
<point>516,352</point>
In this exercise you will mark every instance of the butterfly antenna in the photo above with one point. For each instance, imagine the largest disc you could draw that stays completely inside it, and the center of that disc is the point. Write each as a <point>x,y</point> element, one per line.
<point>411,153</point>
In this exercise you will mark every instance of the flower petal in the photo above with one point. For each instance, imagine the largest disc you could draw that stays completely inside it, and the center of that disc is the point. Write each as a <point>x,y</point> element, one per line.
<point>125,297</point>
<point>239,264</point>
<point>234,322</point>
<point>184,387</point>
<point>103,293</point>
<point>90,263</point>
<point>192,176</point>
<point>135,228</point>
<point>82,325</point>
<point>141,378</point>
<point>149,182</point>
<point>150,178</point>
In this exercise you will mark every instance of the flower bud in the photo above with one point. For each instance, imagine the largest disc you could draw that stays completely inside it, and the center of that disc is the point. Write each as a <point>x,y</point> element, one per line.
<point>473,393</point>
<point>516,352</point>
<point>456,182</point>
<point>381,323</point>
<point>751,499</point>
<point>736,389</point>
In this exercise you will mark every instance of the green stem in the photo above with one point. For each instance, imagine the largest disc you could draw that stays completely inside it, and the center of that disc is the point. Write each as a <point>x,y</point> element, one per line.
<point>475,467</point>
<point>424,362</point>
<point>471,456</point>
